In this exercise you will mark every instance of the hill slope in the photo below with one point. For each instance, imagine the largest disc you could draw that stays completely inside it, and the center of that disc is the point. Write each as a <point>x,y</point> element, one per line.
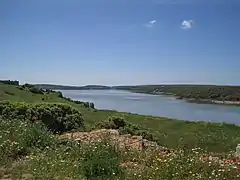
<point>31,148</point>
<point>167,132</point>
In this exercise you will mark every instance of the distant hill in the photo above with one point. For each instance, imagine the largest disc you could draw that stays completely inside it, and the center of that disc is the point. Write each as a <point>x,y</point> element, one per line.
<point>62,87</point>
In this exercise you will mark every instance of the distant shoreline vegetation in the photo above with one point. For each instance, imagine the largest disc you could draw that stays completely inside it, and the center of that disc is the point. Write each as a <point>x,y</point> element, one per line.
<point>9,82</point>
<point>62,87</point>
<point>206,94</point>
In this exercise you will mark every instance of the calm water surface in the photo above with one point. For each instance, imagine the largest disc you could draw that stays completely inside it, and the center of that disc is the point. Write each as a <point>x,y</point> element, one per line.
<point>154,105</point>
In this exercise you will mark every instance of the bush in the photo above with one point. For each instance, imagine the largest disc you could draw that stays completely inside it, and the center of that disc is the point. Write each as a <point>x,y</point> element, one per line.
<point>101,160</point>
<point>26,85</point>
<point>36,90</point>
<point>92,105</point>
<point>113,122</point>
<point>124,127</point>
<point>32,88</point>
<point>59,94</point>
<point>57,117</point>
<point>86,104</point>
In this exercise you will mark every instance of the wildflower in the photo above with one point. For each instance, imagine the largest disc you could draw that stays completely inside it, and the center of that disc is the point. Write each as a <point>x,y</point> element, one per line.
<point>226,162</point>
<point>221,170</point>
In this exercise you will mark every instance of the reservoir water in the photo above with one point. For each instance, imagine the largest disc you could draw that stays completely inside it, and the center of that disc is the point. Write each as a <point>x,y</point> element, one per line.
<point>156,105</point>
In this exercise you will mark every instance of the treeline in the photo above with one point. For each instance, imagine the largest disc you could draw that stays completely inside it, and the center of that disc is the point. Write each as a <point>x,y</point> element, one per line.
<point>62,87</point>
<point>9,82</point>
<point>198,92</point>
<point>220,93</point>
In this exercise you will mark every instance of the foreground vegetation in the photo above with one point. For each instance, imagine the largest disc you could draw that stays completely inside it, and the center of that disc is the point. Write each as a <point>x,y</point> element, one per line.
<point>30,148</point>
<point>33,152</point>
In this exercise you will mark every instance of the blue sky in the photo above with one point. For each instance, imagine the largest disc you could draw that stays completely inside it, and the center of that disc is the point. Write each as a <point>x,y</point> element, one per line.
<point>115,42</point>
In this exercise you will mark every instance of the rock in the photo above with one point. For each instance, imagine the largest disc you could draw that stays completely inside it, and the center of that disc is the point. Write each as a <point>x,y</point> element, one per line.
<point>27,176</point>
<point>122,141</point>
<point>237,153</point>
<point>7,177</point>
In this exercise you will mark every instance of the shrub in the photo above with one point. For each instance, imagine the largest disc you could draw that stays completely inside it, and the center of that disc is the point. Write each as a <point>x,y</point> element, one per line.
<point>32,88</point>
<point>124,127</point>
<point>92,105</point>
<point>86,104</point>
<point>26,85</point>
<point>101,160</point>
<point>113,122</point>
<point>57,117</point>
<point>36,90</point>
<point>59,94</point>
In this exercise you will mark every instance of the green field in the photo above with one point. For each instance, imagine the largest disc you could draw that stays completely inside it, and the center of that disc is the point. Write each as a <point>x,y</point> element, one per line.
<point>22,105</point>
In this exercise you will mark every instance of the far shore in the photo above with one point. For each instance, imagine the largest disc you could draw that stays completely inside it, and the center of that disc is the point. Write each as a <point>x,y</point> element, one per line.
<point>190,100</point>
<point>209,101</point>
<point>193,100</point>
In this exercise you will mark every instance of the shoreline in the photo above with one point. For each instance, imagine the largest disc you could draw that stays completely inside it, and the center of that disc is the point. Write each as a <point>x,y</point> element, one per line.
<point>189,100</point>
<point>209,101</point>
<point>193,100</point>
<point>126,113</point>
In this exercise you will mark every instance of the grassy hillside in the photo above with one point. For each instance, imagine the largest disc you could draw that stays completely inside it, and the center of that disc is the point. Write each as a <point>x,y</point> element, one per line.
<point>31,119</point>
<point>32,152</point>
<point>167,132</point>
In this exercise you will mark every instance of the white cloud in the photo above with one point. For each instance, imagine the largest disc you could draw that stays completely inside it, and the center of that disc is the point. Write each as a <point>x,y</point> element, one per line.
<point>151,23</point>
<point>187,24</point>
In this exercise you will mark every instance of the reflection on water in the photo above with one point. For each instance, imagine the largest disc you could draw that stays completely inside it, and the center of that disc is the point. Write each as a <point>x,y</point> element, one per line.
<point>156,105</point>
